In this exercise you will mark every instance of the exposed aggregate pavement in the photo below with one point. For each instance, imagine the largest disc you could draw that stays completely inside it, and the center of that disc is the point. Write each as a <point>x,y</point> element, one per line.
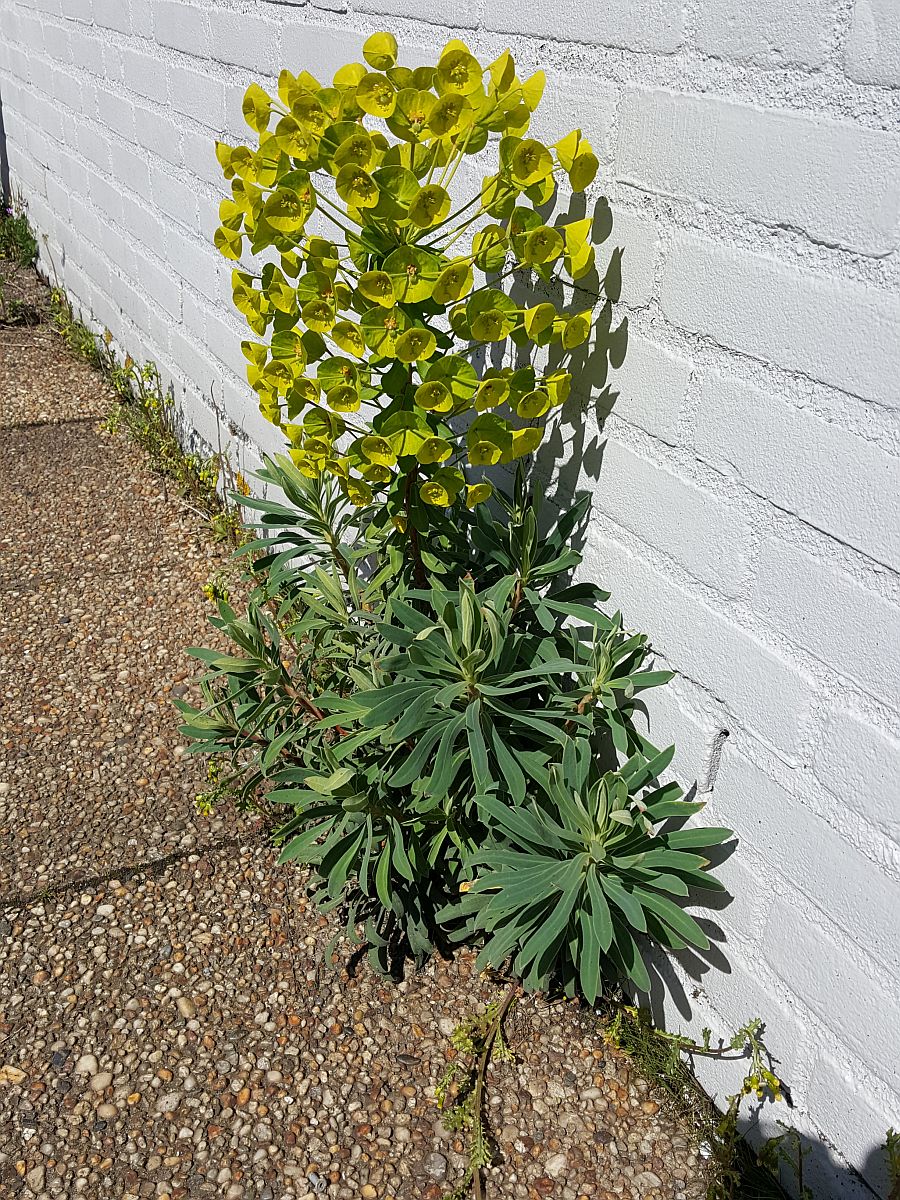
<point>167,1026</point>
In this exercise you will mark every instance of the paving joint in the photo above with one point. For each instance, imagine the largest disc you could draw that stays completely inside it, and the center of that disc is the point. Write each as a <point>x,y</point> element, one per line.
<point>151,867</point>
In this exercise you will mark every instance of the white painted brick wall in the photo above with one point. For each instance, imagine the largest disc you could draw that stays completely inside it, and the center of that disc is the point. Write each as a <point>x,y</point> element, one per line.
<point>860,764</point>
<point>777,451</point>
<point>772,32</point>
<point>814,961</point>
<point>873,43</point>
<point>818,607</point>
<point>834,181</point>
<point>839,332</point>
<point>677,518</point>
<point>796,842</point>
<point>747,508</point>
<point>653,384</point>
<point>654,25</point>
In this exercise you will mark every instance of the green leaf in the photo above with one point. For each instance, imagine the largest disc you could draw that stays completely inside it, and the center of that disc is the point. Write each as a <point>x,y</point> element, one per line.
<point>624,950</point>
<point>409,617</point>
<point>638,772</point>
<point>649,679</point>
<point>302,847</point>
<point>681,839</point>
<point>382,878</point>
<point>702,880</point>
<point>446,763</point>
<point>581,612</point>
<point>223,662</point>
<point>512,772</point>
<point>477,747</point>
<point>530,720</point>
<point>588,960</point>
<point>497,947</point>
<point>387,703</point>
<point>415,763</point>
<point>522,825</point>
<point>327,784</point>
<point>398,852</point>
<point>683,923</point>
<point>335,864</point>
<point>514,891</point>
<point>676,859</point>
<point>600,914</point>
<point>624,901</point>
<point>553,928</point>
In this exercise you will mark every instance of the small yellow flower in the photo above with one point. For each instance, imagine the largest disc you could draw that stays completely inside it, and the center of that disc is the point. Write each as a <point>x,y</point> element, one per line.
<point>477,493</point>
<point>459,72</point>
<point>435,493</point>
<point>375,95</point>
<point>531,162</point>
<point>434,396</point>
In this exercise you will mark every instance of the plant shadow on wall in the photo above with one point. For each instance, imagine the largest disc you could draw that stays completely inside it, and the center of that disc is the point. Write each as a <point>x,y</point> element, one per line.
<point>447,722</point>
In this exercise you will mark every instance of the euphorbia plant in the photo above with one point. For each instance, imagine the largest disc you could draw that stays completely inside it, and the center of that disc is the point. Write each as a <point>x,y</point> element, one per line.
<point>451,722</point>
<point>449,754</point>
<point>380,285</point>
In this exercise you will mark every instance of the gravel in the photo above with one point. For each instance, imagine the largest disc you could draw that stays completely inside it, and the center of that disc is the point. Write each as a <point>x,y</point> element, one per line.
<point>100,584</point>
<point>42,383</point>
<point>168,1027</point>
<point>289,1068</point>
<point>21,287</point>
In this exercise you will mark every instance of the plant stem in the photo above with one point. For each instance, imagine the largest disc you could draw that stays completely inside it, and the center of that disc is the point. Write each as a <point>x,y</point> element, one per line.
<point>452,217</point>
<point>493,283</point>
<point>455,158</point>
<point>481,1070</point>
<point>323,208</point>
<point>418,565</point>
<point>457,233</point>
<point>517,596</point>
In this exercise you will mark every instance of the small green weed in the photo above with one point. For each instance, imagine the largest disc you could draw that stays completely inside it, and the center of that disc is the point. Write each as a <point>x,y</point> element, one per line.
<point>892,1147</point>
<point>738,1174</point>
<point>17,242</point>
<point>660,1056</point>
<point>220,791</point>
<point>216,588</point>
<point>787,1150</point>
<point>460,1091</point>
<point>73,332</point>
<point>17,312</point>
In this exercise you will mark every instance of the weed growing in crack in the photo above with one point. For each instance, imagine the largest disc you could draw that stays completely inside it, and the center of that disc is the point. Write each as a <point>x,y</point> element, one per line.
<point>216,588</point>
<point>664,1058</point>
<point>220,791</point>
<point>17,312</point>
<point>17,241</point>
<point>787,1150</point>
<point>460,1092</point>
<point>73,332</point>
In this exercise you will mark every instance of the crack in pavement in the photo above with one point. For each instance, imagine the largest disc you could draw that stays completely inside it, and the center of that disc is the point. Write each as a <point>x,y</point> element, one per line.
<point>151,867</point>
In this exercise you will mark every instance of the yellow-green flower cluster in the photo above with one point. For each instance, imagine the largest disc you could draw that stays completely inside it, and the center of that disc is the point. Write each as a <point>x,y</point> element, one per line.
<point>364,343</point>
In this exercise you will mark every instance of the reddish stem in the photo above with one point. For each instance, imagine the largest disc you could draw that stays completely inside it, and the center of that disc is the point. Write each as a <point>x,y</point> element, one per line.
<point>418,565</point>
